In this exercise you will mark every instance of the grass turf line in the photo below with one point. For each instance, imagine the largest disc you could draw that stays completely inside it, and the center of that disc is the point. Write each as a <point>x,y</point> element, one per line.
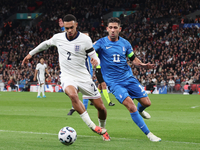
<point>22,115</point>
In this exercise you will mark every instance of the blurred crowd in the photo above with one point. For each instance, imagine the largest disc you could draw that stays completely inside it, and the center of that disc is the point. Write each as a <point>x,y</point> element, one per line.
<point>175,51</point>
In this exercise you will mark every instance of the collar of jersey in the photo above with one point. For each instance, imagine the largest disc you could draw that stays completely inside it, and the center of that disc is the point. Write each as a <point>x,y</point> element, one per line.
<point>74,38</point>
<point>114,41</point>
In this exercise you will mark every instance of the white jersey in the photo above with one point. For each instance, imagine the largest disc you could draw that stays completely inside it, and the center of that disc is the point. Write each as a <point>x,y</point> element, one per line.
<point>41,69</point>
<point>72,55</point>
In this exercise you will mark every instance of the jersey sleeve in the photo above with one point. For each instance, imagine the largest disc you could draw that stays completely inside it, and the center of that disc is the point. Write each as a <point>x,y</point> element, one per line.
<point>97,45</point>
<point>88,43</point>
<point>45,66</point>
<point>52,41</point>
<point>129,50</point>
<point>37,67</point>
<point>43,46</point>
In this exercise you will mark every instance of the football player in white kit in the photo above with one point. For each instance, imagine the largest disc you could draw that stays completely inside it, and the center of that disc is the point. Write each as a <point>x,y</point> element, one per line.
<point>73,46</point>
<point>40,70</point>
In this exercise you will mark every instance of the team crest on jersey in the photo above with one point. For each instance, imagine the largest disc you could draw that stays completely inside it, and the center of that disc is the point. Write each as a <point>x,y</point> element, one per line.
<point>77,48</point>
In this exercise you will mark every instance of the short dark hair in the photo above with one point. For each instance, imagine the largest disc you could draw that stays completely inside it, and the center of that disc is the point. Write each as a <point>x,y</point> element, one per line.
<point>69,17</point>
<point>41,57</point>
<point>114,20</point>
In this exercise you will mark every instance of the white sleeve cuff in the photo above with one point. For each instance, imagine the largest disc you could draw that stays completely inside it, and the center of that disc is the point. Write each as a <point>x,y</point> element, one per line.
<point>94,56</point>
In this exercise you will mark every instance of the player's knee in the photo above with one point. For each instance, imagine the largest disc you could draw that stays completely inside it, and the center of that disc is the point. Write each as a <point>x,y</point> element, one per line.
<point>147,102</point>
<point>132,109</point>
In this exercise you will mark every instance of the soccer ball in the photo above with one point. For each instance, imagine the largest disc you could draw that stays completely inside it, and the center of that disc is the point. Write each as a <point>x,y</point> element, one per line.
<point>67,135</point>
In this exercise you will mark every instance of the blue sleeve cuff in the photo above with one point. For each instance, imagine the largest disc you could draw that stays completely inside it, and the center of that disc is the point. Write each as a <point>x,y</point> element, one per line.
<point>63,29</point>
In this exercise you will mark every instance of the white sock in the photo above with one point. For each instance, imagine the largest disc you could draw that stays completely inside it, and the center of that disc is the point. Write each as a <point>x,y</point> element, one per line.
<point>102,123</point>
<point>42,89</point>
<point>87,120</point>
<point>39,90</point>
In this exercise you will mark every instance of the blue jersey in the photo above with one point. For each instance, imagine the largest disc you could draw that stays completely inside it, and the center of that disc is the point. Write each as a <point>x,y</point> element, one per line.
<point>113,55</point>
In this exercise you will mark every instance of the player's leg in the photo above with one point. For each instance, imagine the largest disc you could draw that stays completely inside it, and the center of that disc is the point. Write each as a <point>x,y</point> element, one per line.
<point>72,92</point>
<point>42,90</point>
<point>102,114</point>
<point>136,91</point>
<point>38,95</point>
<point>39,89</point>
<point>89,91</point>
<point>85,103</point>
<point>105,93</point>
<point>98,103</point>
<point>143,103</point>
<point>136,117</point>
<point>72,110</point>
<point>122,95</point>
<point>99,88</point>
<point>103,87</point>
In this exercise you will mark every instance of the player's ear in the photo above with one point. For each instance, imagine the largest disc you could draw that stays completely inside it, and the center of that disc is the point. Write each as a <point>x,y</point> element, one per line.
<point>76,24</point>
<point>107,29</point>
<point>120,29</point>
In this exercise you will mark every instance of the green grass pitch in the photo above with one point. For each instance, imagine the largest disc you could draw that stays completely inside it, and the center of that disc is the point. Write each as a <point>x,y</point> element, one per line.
<point>29,123</point>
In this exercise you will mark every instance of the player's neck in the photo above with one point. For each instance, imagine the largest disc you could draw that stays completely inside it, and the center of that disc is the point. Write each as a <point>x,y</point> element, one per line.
<point>71,38</point>
<point>113,40</point>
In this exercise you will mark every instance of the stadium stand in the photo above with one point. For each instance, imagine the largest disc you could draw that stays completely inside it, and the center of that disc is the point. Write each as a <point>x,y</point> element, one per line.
<point>153,30</point>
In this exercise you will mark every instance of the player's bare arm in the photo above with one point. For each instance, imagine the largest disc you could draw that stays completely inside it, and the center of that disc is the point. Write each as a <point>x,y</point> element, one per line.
<point>47,72</point>
<point>94,62</point>
<point>138,63</point>
<point>35,75</point>
<point>25,60</point>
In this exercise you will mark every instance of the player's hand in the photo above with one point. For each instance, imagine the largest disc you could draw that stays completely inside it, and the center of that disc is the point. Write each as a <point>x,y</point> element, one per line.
<point>94,62</point>
<point>25,60</point>
<point>60,21</point>
<point>147,66</point>
<point>34,79</point>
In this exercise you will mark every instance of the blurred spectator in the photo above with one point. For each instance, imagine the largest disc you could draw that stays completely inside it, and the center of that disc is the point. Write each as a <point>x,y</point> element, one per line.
<point>12,83</point>
<point>174,50</point>
<point>163,82</point>
<point>171,85</point>
<point>150,85</point>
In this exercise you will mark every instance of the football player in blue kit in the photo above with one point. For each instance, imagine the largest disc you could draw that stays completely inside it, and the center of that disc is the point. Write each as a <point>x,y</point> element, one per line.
<point>113,51</point>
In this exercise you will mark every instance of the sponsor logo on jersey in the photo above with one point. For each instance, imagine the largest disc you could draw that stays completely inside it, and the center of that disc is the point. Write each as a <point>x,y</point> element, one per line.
<point>108,47</point>
<point>77,48</point>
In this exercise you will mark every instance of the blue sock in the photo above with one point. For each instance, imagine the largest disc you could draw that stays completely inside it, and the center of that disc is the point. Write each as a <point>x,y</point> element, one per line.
<point>140,108</point>
<point>85,103</point>
<point>136,117</point>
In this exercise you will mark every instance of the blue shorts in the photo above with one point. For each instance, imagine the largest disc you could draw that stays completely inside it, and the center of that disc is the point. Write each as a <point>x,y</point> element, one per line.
<point>130,87</point>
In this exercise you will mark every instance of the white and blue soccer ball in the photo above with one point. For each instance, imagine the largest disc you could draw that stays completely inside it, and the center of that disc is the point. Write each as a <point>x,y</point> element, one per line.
<point>67,135</point>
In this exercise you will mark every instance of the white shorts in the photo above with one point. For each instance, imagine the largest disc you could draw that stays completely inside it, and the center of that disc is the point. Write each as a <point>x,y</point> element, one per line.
<point>88,89</point>
<point>41,80</point>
